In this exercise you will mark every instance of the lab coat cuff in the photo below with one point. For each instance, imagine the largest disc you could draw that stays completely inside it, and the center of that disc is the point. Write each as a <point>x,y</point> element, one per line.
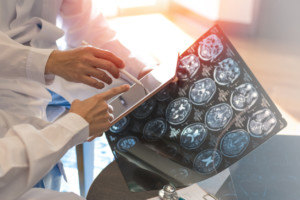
<point>36,63</point>
<point>77,125</point>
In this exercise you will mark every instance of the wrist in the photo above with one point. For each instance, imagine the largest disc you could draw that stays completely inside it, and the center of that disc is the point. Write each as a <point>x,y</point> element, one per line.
<point>50,65</point>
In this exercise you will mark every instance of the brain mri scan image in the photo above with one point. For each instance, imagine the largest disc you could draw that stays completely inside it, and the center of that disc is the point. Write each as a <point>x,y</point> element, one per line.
<point>217,117</point>
<point>202,91</point>
<point>210,48</point>
<point>188,66</point>
<point>244,96</point>
<point>234,143</point>
<point>193,136</point>
<point>186,132</point>
<point>226,72</point>
<point>154,129</point>
<point>145,109</point>
<point>120,125</point>
<point>261,123</point>
<point>207,161</point>
<point>124,144</point>
<point>178,110</point>
<point>163,94</point>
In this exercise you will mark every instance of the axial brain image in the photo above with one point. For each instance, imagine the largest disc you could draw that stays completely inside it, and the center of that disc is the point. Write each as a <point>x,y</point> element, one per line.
<point>126,143</point>
<point>120,125</point>
<point>207,161</point>
<point>193,136</point>
<point>145,109</point>
<point>178,110</point>
<point>226,72</point>
<point>202,91</point>
<point>234,143</point>
<point>261,123</point>
<point>154,129</point>
<point>217,117</point>
<point>188,66</point>
<point>244,96</point>
<point>210,48</point>
<point>163,94</point>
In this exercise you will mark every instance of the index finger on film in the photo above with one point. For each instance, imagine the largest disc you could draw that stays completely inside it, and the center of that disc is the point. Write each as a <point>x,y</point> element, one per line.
<point>115,91</point>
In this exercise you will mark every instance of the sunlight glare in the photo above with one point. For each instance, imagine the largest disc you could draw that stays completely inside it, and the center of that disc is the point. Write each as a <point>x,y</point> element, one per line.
<point>135,3</point>
<point>151,34</point>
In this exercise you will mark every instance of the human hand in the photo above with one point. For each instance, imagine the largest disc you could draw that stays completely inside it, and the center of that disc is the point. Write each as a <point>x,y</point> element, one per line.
<point>96,111</point>
<point>88,65</point>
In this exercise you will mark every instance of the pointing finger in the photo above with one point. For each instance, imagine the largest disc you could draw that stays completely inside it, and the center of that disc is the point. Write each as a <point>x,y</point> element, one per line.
<point>114,91</point>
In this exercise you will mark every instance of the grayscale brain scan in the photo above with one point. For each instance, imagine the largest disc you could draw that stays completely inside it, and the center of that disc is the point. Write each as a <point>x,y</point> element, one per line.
<point>127,143</point>
<point>215,114</point>
<point>193,136</point>
<point>207,161</point>
<point>261,123</point>
<point>155,129</point>
<point>218,116</point>
<point>163,95</point>
<point>144,110</point>
<point>202,91</point>
<point>234,143</point>
<point>244,96</point>
<point>210,48</point>
<point>120,125</point>
<point>226,72</point>
<point>178,111</point>
<point>188,66</point>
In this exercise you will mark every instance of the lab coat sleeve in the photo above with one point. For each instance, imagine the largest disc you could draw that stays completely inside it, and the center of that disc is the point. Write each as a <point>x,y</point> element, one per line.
<point>19,61</point>
<point>28,152</point>
<point>80,23</point>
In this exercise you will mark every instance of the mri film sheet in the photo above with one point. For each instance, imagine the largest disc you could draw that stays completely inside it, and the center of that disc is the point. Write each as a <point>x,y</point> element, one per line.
<point>190,130</point>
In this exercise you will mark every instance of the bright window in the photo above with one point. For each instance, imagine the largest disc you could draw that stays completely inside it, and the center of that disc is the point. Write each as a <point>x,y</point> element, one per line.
<point>136,3</point>
<point>113,8</point>
<point>208,9</point>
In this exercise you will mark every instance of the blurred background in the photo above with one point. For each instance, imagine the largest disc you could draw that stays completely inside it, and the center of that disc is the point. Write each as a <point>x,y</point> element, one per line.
<point>266,33</point>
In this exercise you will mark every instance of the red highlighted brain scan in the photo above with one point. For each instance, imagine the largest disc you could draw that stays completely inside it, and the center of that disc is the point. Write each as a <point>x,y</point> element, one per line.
<point>210,48</point>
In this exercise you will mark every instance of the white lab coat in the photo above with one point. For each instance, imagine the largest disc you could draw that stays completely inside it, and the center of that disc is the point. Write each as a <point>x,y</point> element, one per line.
<point>29,144</point>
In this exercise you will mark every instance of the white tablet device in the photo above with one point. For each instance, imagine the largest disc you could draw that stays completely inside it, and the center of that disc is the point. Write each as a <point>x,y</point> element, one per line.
<point>136,95</point>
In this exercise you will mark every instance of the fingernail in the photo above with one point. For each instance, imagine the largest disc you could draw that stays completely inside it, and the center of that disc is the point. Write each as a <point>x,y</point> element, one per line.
<point>127,87</point>
<point>123,64</point>
<point>100,85</point>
